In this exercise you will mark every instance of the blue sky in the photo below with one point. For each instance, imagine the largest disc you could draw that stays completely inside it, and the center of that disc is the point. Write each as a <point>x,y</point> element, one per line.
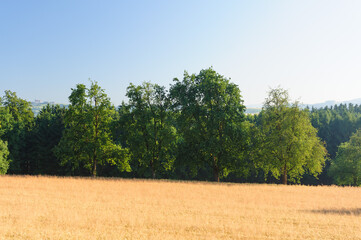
<point>311,48</point>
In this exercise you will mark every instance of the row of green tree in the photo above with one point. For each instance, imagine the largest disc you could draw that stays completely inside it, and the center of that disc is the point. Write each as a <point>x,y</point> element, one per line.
<point>196,130</point>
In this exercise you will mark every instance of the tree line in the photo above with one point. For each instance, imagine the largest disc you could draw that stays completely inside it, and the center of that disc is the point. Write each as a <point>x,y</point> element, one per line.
<point>196,130</point>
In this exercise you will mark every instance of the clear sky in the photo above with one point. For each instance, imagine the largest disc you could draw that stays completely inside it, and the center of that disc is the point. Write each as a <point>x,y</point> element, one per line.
<point>312,48</point>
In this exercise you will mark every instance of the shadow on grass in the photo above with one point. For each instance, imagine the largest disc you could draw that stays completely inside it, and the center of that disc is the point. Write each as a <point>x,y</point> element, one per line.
<point>342,211</point>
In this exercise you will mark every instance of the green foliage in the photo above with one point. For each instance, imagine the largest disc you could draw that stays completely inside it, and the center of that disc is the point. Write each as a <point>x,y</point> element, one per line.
<point>210,113</point>
<point>87,139</point>
<point>289,143</point>
<point>4,152</point>
<point>4,161</point>
<point>196,131</point>
<point>149,133</point>
<point>346,167</point>
<point>335,125</point>
<point>16,132</point>
<point>6,120</point>
<point>46,134</point>
<point>18,108</point>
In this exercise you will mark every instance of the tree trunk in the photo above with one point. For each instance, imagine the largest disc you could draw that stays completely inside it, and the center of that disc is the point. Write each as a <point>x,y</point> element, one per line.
<point>215,170</point>
<point>216,175</point>
<point>355,180</point>
<point>94,171</point>
<point>284,175</point>
<point>153,169</point>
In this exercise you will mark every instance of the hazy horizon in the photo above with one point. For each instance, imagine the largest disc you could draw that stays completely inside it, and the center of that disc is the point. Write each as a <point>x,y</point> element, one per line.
<point>257,105</point>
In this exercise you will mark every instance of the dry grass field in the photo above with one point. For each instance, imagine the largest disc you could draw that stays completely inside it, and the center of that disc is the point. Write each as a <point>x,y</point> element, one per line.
<point>75,208</point>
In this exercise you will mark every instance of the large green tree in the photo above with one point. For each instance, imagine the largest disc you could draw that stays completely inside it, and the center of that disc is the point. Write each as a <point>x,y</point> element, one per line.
<point>149,133</point>
<point>17,131</point>
<point>87,137</point>
<point>210,114</point>
<point>290,145</point>
<point>346,167</point>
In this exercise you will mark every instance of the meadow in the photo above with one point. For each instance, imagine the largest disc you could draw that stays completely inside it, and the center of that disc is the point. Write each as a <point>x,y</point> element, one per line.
<point>85,208</point>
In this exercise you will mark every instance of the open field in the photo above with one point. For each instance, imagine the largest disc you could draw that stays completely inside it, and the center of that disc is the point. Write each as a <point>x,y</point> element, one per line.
<point>75,208</point>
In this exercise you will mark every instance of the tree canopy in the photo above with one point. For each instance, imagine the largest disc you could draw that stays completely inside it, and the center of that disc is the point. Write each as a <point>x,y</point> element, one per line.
<point>210,113</point>
<point>196,130</point>
<point>45,135</point>
<point>4,152</point>
<point>17,121</point>
<point>290,145</point>
<point>346,167</point>
<point>87,137</point>
<point>149,131</point>
<point>4,162</point>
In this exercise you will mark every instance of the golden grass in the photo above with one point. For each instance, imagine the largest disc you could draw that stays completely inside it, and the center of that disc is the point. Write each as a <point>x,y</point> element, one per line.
<point>76,208</point>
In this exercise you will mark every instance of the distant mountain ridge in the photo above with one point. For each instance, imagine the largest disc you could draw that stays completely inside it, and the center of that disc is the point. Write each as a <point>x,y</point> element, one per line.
<point>330,103</point>
<point>37,105</point>
<point>256,108</point>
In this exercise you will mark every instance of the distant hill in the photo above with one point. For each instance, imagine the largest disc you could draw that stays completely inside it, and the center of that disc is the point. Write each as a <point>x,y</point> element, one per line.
<point>354,101</point>
<point>37,105</point>
<point>333,102</point>
<point>253,110</point>
<point>256,108</point>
